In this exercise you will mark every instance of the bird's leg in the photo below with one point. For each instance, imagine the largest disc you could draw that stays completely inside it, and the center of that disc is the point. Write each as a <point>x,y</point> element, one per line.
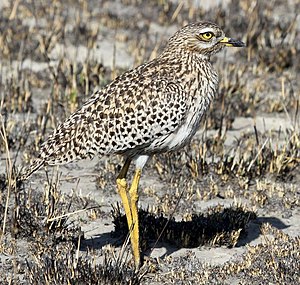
<point>122,190</point>
<point>134,236</point>
<point>130,207</point>
<point>124,169</point>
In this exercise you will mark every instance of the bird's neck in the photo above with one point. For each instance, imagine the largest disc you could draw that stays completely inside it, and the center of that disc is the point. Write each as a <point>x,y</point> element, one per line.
<point>195,72</point>
<point>182,63</point>
<point>184,54</point>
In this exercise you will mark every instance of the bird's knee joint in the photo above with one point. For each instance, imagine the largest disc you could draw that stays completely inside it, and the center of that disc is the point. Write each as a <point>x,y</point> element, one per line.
<point>121,183</point>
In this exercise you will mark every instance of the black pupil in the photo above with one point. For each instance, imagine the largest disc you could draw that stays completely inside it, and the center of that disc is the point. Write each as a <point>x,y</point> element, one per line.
<point>207,35</point>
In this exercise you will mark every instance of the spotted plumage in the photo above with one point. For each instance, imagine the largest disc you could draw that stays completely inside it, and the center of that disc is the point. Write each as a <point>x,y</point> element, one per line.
<point>153,108</point>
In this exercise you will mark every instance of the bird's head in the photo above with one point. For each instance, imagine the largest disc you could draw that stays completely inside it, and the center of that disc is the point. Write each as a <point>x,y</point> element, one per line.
<point>205,38</point>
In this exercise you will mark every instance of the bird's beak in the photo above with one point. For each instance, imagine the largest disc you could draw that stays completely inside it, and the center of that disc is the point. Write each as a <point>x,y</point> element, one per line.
<point>232,43</point>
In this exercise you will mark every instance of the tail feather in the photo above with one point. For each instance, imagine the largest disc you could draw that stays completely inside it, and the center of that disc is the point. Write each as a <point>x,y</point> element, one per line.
<point>72,140</point>
<point>26,172</point>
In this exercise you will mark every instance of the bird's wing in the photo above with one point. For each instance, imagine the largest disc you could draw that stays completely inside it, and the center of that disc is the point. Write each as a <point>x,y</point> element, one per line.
<point>68,142</point>
<point>149,109</point>
<point>129,113</point>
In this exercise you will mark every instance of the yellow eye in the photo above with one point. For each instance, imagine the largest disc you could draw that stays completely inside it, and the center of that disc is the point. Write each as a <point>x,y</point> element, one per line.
<point>207,36</point>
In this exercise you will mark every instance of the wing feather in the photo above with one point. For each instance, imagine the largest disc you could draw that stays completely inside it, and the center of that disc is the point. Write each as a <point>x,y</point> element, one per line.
<point>127,115</point>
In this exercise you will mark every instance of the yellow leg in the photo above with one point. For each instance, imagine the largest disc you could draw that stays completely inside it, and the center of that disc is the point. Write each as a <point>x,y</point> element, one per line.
<point>130,208</point>
<point>134,236</point>
<point>122,189</point>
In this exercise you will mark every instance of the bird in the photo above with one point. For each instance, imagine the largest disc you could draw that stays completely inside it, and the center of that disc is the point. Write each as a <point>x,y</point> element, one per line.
<point>153,108</point>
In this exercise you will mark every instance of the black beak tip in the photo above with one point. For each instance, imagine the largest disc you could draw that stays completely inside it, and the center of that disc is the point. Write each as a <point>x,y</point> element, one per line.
<point>237,43</point>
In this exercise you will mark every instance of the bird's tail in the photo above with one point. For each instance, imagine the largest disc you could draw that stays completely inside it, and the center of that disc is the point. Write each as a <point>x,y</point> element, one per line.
<point>27,171</point>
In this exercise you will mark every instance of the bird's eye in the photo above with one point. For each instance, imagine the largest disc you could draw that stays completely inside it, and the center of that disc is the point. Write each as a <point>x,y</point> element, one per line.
<point>207,36</point>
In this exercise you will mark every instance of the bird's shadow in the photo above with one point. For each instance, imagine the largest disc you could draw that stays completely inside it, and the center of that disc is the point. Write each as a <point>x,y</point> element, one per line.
<point>230,227</point>
<point>253,228</point>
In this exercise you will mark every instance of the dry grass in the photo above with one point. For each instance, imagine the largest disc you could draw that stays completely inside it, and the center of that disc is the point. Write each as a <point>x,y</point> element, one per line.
<point>274,261</point>
<point>50,64</point>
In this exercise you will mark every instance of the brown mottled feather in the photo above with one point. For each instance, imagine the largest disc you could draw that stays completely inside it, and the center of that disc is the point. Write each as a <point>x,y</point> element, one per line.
<point>153,108</point>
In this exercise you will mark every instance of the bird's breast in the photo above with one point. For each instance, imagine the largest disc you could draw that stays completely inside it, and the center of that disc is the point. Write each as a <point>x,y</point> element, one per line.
<point>186,131</point>
<point>200,96</point>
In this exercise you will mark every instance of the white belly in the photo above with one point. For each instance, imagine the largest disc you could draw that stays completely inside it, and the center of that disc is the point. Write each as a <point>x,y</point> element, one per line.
<point>180,138</point>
